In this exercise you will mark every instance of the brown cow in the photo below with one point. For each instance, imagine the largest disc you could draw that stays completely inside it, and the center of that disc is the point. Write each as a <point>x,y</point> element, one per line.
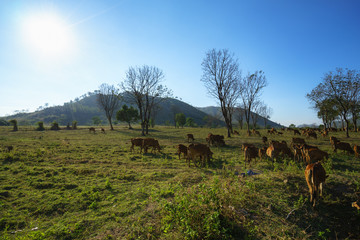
<point>315,155</point>
<point>236,132</point>
<point>92,129</point>
<point>151,142</point>
<point>199,150</point>
<point>356,150</point>
<point>182,149</point>
<point>217,140</point>
<point>136,142</point>
<point>296,132</point>
<point>262,152</point>
<point>311,134</point>
<point>190,137</point>
<point>250,153</point>
<point>343,146</point>
<point>272,153</point>
<point>102,130</point>
<point>315,176</point>
<point>356,204</point>
<point>256,132</point>
<point>333,140</point>
<point>298,141</point>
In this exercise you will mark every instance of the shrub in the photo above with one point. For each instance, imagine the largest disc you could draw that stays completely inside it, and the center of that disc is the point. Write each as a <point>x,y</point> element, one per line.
<point>40,127</point>
<point>14,123</point>
<point>55,126</point>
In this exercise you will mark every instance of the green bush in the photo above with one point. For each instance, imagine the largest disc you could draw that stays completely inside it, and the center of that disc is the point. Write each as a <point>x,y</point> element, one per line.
<point>40,127</point>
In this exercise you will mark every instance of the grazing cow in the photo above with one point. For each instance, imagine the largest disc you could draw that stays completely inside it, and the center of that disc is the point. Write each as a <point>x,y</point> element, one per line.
<point>136,142</point>
<point>315,155</point>
<point>199,150</point>
<point>315,176</point>
<point>356,150</point>
<point>296,132</point>
<point>311,134</point>
<point>151,142</point>
<point>190,137</point>
<point>236,132</point>
<point>250,152</point>
<point>304,148</point>
<point>281,147</point>
<point>217,140</point>
<point>102,130</point>
<point>92,129</point>
<point>356,204</point>
<point>343,146</point>
<point>272,153</point>
<point>298,141</point>
<point>333,140</point>
<point>246,145</point>
<point>264,140</point>
<point>297,152</point>
<point>182,149</point>
<point>262,152</point>
<point>256,132</point>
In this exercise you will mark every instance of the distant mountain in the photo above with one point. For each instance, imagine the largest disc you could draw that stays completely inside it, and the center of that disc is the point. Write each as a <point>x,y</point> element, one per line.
<point>216,112</point>
<point>84,109</point>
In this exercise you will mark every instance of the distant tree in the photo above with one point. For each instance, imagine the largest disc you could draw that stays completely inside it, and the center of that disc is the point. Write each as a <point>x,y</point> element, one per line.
<point>190,122</point>
<point>240,113</point>
<point>40,126</point>
<point>143,87</point>
<point>292,126</point>
<point>265,112</point>
<point>255,113</point>
<point>74,124</point>
<point>342,85</point>
<point>14,123</point>
<point>152,122</point>
<point>54,126</point>
<point>221,78</point>
<point>96,120</point>
<point>128,115</point>
<point>251,87</point>
<point>108,100</point>
<point>180,119</point>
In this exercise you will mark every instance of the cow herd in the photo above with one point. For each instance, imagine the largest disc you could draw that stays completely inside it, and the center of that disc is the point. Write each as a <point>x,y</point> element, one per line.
<point>200,154</point>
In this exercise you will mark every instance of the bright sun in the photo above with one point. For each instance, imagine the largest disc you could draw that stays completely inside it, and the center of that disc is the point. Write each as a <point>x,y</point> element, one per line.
<point>48,35</point>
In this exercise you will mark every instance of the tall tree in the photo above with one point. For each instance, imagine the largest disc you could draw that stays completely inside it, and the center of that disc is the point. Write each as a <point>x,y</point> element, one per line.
<point>344,86</point>
<point>251,87</point>
<point>142,86</point>
<point>180,119</point>
<point>108,100</point>
<point>221,78</point>
<point>128,115</point>
<point>265,112</point>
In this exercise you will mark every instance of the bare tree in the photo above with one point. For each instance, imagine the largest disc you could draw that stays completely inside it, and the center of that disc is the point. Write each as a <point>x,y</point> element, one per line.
<point>255,112</point>
<point>251,86</point>
<point>108,100</point>
<point>143,87</point>
<point>221,78</point>
<point>265,112</point>
<point>240,113</point>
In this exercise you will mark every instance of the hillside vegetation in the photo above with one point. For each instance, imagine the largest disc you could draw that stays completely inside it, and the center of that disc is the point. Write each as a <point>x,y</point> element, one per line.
<point>84,109</point>
<point>73,184</point>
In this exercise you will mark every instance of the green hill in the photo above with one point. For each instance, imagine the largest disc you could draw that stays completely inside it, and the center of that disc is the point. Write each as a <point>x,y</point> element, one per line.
<point>83,110</point>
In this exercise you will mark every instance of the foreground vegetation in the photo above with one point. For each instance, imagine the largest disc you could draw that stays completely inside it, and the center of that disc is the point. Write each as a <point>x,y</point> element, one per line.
<point>72,184</point>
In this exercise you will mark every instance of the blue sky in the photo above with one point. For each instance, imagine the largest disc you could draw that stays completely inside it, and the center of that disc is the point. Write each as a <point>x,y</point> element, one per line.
<point>293,42</point>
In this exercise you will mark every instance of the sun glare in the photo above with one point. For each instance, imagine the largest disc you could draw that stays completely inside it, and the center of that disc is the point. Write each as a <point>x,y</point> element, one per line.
<point>48,35</point>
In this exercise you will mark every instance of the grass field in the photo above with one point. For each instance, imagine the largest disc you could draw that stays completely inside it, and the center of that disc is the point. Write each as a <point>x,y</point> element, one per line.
<point>72,184</point>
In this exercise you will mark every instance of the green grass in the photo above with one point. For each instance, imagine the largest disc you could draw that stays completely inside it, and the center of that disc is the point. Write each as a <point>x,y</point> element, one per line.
<point>78,185</point>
